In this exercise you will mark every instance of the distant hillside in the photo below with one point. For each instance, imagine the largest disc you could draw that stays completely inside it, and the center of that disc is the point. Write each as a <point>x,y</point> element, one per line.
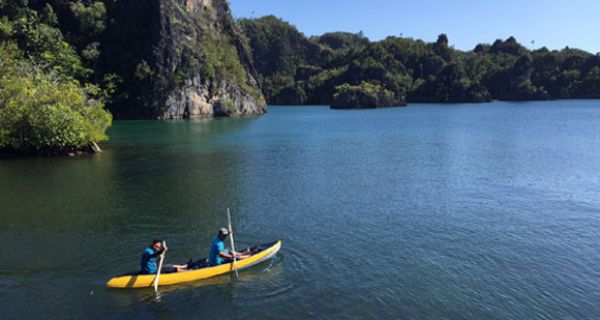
<point>344,69</point>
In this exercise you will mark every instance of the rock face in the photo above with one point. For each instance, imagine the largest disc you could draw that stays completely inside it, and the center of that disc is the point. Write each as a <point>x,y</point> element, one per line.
<point>195,99</point>
<point>175,59</point>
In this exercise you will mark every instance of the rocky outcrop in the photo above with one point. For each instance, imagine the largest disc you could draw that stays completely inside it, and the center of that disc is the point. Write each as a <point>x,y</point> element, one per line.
<point>195,99</point>
<point>178,59</point>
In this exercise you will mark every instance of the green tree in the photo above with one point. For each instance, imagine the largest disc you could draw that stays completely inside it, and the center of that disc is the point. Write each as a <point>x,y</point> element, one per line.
<point>440,47</point>
<point>43,114</point>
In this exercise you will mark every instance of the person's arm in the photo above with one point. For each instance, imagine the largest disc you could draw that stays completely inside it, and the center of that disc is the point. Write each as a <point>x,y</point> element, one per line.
<point>243,255</point>
<point>224,254</point>
<point>238,255</point>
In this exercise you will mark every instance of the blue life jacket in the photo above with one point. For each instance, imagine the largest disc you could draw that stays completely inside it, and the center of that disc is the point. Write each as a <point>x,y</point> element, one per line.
<point>217,246</point>
<point>148,262</point>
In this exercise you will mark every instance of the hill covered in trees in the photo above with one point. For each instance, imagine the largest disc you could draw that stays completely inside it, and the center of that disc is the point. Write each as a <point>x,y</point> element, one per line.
<point>347,70</point>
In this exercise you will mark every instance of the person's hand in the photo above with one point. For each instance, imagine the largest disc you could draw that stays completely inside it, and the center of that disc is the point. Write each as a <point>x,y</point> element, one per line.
<point>165,248</point>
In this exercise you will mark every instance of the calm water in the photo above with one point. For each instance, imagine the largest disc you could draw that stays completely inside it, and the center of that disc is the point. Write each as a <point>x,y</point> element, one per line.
<point>487,211</point>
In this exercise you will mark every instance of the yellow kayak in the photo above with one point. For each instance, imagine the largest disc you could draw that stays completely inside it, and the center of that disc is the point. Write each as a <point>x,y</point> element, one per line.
<point>260,253</point>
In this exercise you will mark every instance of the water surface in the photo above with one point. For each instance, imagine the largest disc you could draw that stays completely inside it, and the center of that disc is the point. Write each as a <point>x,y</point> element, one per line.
<point>484,211</point>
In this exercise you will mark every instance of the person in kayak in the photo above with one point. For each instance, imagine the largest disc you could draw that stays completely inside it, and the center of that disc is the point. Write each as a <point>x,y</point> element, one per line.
<point>218,255</point>
<point>148,262</point>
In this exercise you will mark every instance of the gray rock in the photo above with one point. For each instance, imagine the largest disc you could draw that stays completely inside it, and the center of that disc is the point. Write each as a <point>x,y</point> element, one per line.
<point>179,59</point>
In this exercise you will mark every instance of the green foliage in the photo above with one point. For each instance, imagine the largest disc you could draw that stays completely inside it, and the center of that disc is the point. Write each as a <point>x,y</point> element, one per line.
<point>228,105</point>
<point>91,51</point>
<point>342,40</point>
<point>35,33</point>
<point>110,84</point>
<point>43,114</point>
<point>278,50</point>
<point>43,107</point>
<point>143,70</point>
<point>49,16</point>
<point>220,57</point>
<point>450,85</point>
<point>421,71</point>
<point>510,46</point>
<point>320,87</point>
<point>90,18</point>
<point>277,46</point>
<point>589,86</point>
<point>440,47</point>
<point>363,95</point>
<point>291,94</point>
<point>220,60</point>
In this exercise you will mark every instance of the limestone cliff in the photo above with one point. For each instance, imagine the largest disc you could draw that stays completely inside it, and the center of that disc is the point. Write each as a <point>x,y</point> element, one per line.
<point>177,59</point>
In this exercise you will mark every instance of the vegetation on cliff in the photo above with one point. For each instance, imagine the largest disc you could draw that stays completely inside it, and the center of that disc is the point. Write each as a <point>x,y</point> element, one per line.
<point>364,95</point>
<point>297,69</point>
<point>47,105</point>
<point>174,59</point>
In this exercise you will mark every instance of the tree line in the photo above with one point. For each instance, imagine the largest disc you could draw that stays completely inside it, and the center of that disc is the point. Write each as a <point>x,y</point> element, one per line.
<point>348,70</point>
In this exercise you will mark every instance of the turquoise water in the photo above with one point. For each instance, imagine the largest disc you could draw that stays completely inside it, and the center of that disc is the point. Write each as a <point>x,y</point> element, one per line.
<point>486,211</point>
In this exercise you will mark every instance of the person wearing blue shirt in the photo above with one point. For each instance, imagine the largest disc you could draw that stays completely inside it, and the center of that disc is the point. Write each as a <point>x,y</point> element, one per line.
<point>148,262</point>
<point>218,255</point>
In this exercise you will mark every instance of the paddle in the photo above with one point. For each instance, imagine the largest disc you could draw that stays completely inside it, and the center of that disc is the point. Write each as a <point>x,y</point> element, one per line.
<point>160,264</point>
<point>232,245</point>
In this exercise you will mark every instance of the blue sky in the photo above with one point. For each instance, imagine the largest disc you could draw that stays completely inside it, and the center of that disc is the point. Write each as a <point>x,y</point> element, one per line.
<point>551,23</point>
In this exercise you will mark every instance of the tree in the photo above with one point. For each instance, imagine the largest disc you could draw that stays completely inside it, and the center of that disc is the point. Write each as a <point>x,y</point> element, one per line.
<point>441,48</point>
<point>43,114</point>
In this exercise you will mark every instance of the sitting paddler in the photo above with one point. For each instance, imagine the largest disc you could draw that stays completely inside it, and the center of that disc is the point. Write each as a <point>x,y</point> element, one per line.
<point>218,254</point>
<point>148,262</point>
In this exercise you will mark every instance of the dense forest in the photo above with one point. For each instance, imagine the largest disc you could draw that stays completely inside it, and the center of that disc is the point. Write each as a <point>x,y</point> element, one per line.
<point>347,70</point>
<point>48,103</point>
<point>67,67</point>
